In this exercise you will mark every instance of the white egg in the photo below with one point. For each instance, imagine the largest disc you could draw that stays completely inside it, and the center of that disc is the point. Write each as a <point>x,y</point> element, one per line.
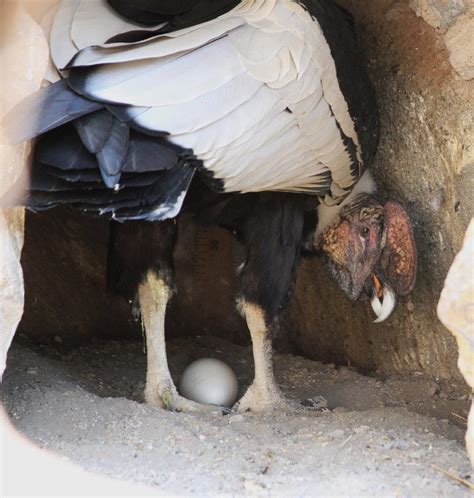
<point>209,381</point>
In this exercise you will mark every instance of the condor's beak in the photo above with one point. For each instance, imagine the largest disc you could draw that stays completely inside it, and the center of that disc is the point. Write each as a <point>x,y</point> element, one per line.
<point>384,308</point>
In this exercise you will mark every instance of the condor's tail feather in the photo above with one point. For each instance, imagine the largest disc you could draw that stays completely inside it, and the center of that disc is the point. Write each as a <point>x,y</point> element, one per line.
<point>159,200</point>
<point>150,196</point>
<point>88,157</point>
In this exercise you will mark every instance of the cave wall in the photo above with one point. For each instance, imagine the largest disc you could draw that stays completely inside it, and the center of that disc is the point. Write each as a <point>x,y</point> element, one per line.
<point>23,59</point>
<point>65,260</point>
<point>425,161</point>
<point>64,264</point>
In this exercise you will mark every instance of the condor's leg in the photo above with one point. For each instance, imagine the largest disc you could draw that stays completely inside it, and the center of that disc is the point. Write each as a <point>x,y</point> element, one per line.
<point>154,293</point>
<point>272,236</point>
<point>141,265</point>
<point>263,394</point>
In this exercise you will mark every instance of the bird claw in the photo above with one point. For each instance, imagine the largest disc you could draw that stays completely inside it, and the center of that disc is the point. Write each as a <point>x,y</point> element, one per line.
<point>174,402</point>
<point>316,403</point>
<point>227,410</point>
<point>168,400</point>
<point>258,400</point>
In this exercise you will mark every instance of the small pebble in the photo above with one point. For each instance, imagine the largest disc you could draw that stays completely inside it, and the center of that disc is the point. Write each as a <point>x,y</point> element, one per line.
<point>433,389</point>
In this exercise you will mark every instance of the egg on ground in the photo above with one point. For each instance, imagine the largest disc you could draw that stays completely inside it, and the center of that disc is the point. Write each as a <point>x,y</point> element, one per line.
<point>209,381</point>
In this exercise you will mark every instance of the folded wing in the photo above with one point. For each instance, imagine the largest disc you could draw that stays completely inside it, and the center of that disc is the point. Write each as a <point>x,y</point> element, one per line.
<point>247,93</point>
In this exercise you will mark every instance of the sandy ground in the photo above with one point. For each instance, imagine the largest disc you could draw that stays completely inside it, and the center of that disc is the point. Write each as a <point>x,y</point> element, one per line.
<point>379,436</point>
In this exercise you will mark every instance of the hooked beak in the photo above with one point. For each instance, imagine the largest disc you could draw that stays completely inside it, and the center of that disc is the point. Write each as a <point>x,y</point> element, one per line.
<point>384,308</point>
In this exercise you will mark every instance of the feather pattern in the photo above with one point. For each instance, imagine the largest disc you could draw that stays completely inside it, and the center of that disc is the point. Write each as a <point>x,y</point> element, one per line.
<point>95,22</point>
<point>146,154</point>
<point>62,148</point>
<point>246,92</point>
<point>94,129</point>
<point>49,108</point>
<point>279,51</point>
<point>61,45</point>
<point>111,156</point>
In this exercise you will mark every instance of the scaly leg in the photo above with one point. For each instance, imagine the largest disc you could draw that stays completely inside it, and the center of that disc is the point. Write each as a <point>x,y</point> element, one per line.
<point>263,394</point>
<point>272,234</point>
<point>153,295</point>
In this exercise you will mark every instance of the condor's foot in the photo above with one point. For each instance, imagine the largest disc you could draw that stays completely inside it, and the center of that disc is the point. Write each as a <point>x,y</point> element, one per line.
<point>167,397</point>
<point>259,400</point>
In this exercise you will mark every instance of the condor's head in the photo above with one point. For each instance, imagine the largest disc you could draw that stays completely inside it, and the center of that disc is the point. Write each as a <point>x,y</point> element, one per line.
<point>370,250</point>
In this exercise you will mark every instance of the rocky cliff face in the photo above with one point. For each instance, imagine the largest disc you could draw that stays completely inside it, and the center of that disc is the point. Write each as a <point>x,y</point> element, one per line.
<point>456,311</point>
<point>425,160</point>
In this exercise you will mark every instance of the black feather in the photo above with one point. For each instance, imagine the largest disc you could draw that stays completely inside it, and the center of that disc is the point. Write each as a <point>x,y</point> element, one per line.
<point>112,154</point>
<point>91,199</point>
<point>90,176</point>
<point>94,129</point>
<point>176,14</point>
<point>50,107</point>
<point>75,175</point>
<point>339,30</point>
<point>41,180</point>
<point>161,200</point>
<point>64,149</point>
<point>127,114</point>
<point>272,233</point>
<point>149,154</point>
<point>154,242</point>
<point>140,179</point>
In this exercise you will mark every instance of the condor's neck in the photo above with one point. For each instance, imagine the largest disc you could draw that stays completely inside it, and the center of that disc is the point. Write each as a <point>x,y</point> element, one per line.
<point>328,215</point>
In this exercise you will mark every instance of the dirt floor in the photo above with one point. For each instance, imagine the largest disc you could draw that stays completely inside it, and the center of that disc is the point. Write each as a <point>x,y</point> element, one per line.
<point>395,436</point>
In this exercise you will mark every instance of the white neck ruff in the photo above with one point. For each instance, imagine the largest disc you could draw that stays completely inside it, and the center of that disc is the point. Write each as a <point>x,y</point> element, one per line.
<point>328,214</point>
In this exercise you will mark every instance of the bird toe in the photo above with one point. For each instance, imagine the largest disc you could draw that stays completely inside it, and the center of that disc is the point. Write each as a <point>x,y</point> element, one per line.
<point>315,403</point>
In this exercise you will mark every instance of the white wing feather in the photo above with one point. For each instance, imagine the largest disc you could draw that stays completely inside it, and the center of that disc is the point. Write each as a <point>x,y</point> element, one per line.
<point>254,92</point>
<point>171,79</point>
<point>232,126</point>
<point>154,48</point>
<point>62,47</point>
<point>202,111</point>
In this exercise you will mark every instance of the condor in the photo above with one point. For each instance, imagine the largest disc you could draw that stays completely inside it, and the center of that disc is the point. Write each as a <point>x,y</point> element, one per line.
<point>255,115</point>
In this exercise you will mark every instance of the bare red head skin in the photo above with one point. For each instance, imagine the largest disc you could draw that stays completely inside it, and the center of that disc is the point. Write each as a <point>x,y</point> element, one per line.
<point>370,247</point>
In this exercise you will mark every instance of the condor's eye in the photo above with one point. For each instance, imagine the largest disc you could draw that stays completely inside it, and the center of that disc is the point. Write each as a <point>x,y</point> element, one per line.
<point>364,231</point>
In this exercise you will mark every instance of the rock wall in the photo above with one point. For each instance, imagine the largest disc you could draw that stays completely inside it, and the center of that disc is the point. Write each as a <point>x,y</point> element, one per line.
<point>456,311</point>
<point>455,20</point>
<point>425,160</point>
<point>64,262</point>
<point>23,58</point>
